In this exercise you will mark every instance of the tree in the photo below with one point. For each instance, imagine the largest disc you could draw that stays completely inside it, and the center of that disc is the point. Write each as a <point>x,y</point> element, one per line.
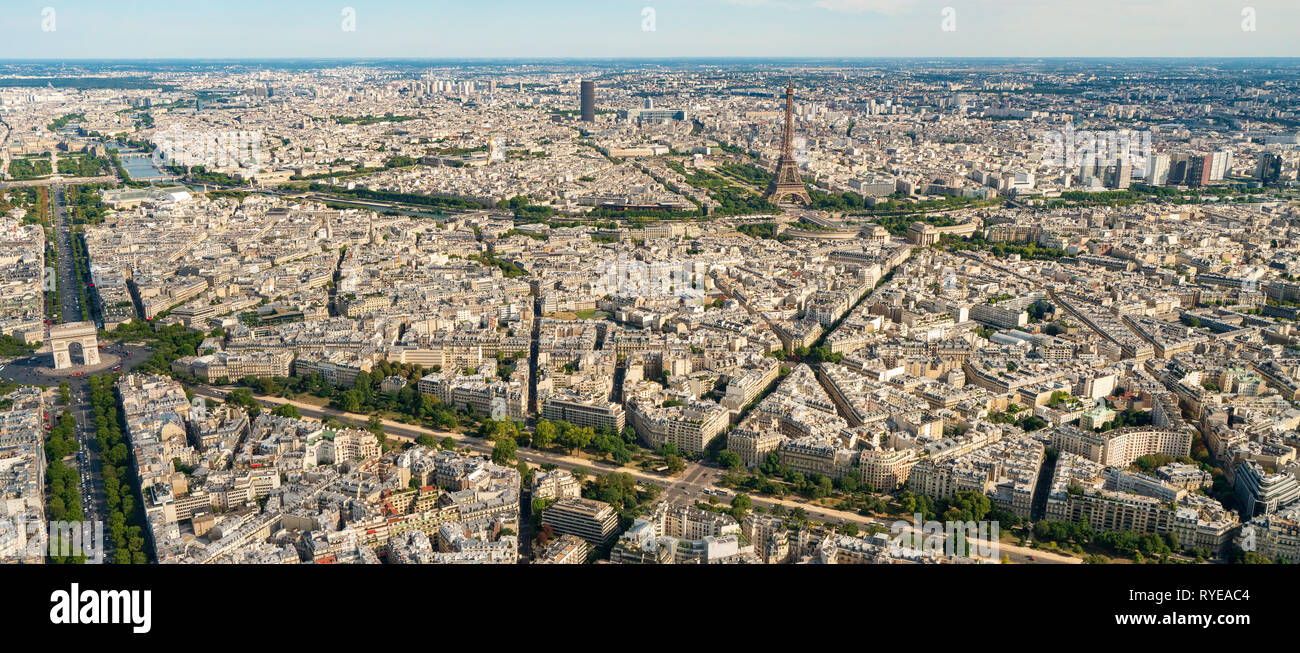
<point>740,505</point>
<point>544,434</point>
<point>545,534</point>
<point>287,410</point>
<point>504,451</point>
<point>824,486</point>
<point>243,397</point>
<point>350,401</point>
<point>376,425</point>
<point>617,489</point>
<point>575,438</point>
<point>729,459</point>
<point>676,464</point>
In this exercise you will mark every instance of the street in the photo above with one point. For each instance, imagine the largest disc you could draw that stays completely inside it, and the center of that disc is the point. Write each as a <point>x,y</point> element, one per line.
<point>687,487</point>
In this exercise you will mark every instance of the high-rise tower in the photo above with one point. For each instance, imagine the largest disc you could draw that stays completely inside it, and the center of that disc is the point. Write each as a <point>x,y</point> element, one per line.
<point>787,183</point>
<point>589,101</point>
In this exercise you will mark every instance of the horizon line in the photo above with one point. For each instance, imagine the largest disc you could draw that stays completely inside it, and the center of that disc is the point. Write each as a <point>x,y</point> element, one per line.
<point>679,58</point>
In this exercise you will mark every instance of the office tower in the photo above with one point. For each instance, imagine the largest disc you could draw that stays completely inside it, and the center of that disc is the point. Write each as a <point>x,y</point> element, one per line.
<point>1198,170</point>
<point>1269,170</point>
<point>1220,164</point>
<point>787,182</point>
<point>1087,173</point>
<point>589,101</point>
<point>1119,175</point>
<point>1177,168</point>
<point>1157,169</point>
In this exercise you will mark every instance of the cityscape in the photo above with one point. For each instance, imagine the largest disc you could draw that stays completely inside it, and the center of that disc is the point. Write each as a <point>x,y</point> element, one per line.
<point>689,310</point>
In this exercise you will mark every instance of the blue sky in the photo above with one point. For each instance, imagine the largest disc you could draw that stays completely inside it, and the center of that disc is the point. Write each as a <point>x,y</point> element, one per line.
<point>613,28</point>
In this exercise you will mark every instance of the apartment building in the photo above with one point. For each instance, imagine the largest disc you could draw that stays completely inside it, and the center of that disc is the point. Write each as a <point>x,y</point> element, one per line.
<point>886,469</point>
<point>1120,447</point>
<point>690,428</point>
<point>594,521</point>
<point>576,411</point>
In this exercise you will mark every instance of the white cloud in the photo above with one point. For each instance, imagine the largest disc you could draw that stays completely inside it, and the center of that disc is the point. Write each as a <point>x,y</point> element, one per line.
<point>886,7</point>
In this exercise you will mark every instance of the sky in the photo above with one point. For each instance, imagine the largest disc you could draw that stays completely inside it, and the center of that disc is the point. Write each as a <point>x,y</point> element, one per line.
<point>453,29</point>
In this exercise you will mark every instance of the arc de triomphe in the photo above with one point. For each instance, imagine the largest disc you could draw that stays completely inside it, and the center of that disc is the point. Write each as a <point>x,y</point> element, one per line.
<point>84,333</point>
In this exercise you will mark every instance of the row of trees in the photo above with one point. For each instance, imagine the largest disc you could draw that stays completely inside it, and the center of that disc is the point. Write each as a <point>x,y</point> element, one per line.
<point>1001,250</point>
<point>1127,543</point>
<point>402,198</point>
<point>603,441</point>
<point>365,396</point>
<point>125,514</point>
<point>64,494</point>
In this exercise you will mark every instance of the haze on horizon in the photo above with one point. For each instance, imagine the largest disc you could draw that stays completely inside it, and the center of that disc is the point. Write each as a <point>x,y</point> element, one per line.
<point>439,29</point>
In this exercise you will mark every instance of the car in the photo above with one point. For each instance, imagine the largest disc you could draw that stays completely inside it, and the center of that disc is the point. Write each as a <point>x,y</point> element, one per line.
<point>1031,558</point>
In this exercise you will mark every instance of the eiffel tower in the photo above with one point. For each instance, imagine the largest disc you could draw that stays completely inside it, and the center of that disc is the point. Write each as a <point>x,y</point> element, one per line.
<point>786,182</point>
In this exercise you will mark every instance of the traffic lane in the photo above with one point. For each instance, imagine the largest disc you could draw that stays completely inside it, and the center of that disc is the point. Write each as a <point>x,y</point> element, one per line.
<point>37,369</point>
<point>689,485</point>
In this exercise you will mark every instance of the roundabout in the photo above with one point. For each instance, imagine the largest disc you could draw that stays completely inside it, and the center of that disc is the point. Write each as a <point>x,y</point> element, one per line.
<point>38,368</point>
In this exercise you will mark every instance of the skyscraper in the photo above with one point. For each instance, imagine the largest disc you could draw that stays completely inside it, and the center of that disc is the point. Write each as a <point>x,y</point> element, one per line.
<point>1157,169</point>
<point>1269,170</point>
<point>1198,170</point>
<point>588,101</point>
<point>1119,175</point>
